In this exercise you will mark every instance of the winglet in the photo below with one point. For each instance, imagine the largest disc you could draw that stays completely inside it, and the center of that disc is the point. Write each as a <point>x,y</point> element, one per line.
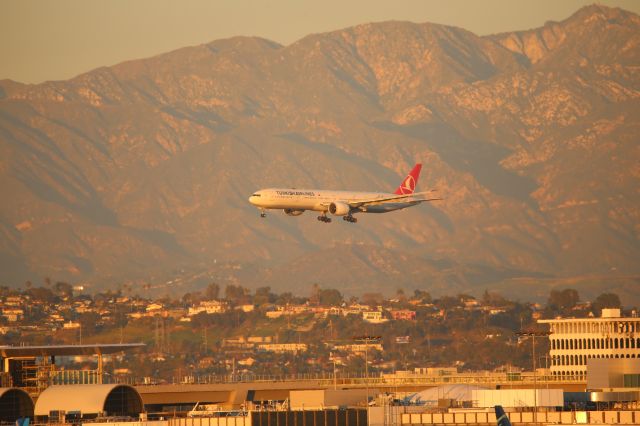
<point>409,183</point>
<point>501,416</point>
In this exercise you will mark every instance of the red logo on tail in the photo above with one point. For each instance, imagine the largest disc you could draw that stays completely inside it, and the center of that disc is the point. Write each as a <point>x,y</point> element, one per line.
<point>409,183</point>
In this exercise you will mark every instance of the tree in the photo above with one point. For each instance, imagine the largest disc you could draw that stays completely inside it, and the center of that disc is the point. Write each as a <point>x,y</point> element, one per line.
<point>315,294</point>
<point>372,299</point>
<point>212,292</point>
<point>565,299</point>
<point>448,302</point>
<point>191,298</point>
<point>263,295</point>
<point>605,300</point>
<point>465,297</point>
<point>89,322</point>
<point>41,294</point>
<point>236,294</point>
<point>285,298</point>
<point>422,295</point>
<point>493,299</point>
<point>330,297</point>
<point>63,289</point>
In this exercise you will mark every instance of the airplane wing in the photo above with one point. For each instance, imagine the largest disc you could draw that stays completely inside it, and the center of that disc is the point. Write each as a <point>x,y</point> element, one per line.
<point>407,198</point>
<point>401,199</point>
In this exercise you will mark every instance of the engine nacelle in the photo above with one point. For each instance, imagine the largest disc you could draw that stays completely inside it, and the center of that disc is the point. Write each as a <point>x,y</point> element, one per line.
<point>338,208</point>
<point>293,212</point>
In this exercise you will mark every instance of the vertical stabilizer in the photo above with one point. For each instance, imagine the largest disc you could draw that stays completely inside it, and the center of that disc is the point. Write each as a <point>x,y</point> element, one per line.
<point>409,183</point>
<point>501,416</point>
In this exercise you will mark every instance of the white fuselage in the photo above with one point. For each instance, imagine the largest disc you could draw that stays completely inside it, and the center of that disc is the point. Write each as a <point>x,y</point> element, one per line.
<point>320,199</point>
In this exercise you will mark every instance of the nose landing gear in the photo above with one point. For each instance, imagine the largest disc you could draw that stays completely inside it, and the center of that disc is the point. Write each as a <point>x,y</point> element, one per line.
<point>263,214</point>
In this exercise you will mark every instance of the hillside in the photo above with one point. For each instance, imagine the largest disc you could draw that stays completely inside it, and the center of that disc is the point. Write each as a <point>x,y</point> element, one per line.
<point>140,173</point>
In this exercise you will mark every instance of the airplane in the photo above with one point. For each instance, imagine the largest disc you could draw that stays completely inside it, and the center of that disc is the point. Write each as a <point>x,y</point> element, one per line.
<point>294,201</point>
<point>501,416</point>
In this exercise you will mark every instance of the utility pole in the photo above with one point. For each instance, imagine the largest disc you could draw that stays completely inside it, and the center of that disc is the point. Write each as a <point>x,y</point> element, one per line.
<point>204,337</point>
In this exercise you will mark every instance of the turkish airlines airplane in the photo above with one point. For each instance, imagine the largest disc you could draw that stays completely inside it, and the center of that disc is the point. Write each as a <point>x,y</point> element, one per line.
<point>294,202</point>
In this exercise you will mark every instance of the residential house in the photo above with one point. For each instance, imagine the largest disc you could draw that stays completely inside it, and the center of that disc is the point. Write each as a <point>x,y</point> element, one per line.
<point>374,317</point>
<point>403,314</point>
<point>13,314</point>
<point>283,347</point>
<point>359,347</point>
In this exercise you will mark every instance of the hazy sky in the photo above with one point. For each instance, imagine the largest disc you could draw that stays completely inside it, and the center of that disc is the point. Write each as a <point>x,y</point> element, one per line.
<point>58,39</point>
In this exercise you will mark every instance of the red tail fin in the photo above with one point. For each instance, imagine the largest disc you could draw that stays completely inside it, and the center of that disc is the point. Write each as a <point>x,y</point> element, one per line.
<point>409,183</point>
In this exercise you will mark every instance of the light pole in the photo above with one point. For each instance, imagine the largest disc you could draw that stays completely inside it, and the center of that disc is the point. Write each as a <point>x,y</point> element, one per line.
<point>367,340</point>
<point>335,380</point>
<point>533,334</point>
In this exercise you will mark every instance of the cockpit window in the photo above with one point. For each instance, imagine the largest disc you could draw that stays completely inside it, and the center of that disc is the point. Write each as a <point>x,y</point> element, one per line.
<point>256,195</point>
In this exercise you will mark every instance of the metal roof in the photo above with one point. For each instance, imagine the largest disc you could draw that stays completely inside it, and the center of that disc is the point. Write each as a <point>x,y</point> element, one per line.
<point>87,399</point>
<point>67,350</point>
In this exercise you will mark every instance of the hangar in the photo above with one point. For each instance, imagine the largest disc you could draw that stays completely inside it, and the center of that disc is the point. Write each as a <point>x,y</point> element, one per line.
<point>14,403</point>
<point>90,401</point>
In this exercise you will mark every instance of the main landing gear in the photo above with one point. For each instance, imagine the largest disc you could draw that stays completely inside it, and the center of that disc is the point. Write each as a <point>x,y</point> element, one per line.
<point>324,218</point>
<point>349,218</point>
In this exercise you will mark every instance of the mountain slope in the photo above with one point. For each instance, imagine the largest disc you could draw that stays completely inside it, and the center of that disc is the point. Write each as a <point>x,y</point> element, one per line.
<point>140,172</point>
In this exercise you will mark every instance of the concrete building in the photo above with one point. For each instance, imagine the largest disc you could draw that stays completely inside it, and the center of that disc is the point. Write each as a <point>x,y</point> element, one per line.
<point>489,398</point>
<point>319,399</point>
<point>621,373</point>
<point>575,340</point>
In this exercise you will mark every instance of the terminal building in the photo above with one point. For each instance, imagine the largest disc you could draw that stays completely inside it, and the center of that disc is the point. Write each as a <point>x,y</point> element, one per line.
<point>573,341</point>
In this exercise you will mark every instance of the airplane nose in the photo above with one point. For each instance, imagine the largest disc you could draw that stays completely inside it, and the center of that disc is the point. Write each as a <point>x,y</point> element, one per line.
<point>251,199</point>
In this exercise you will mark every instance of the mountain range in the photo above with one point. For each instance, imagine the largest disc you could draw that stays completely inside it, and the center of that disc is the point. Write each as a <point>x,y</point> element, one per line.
<point>138,174</point>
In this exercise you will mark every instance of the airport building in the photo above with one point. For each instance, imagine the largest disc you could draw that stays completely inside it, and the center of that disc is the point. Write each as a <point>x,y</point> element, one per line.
<point>573,341</point>
<point>34,368</point>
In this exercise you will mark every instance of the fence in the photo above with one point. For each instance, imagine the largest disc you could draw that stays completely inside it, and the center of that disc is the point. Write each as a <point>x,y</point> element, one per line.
<point>357,380</point>
<point>555,417</point>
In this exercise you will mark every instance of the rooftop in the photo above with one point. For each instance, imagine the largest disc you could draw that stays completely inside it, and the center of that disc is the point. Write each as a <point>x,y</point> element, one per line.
<point>67,350</point>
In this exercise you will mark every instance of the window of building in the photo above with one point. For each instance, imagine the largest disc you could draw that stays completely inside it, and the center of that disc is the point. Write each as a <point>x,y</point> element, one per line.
<point>632,380</point>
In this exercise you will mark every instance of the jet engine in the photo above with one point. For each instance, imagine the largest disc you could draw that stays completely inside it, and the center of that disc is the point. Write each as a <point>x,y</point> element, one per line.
<point>293,212</point>
<point>338,208</point>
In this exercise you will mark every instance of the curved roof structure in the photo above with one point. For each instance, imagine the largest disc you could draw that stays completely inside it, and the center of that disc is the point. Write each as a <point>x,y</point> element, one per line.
<point>14,403</point>
<point>112,399</point>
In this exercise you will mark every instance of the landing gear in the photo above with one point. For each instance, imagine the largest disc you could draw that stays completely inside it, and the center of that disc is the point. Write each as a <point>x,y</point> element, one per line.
<point>263,214</point>
<point>350,219</point>
<point>324,218</point>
